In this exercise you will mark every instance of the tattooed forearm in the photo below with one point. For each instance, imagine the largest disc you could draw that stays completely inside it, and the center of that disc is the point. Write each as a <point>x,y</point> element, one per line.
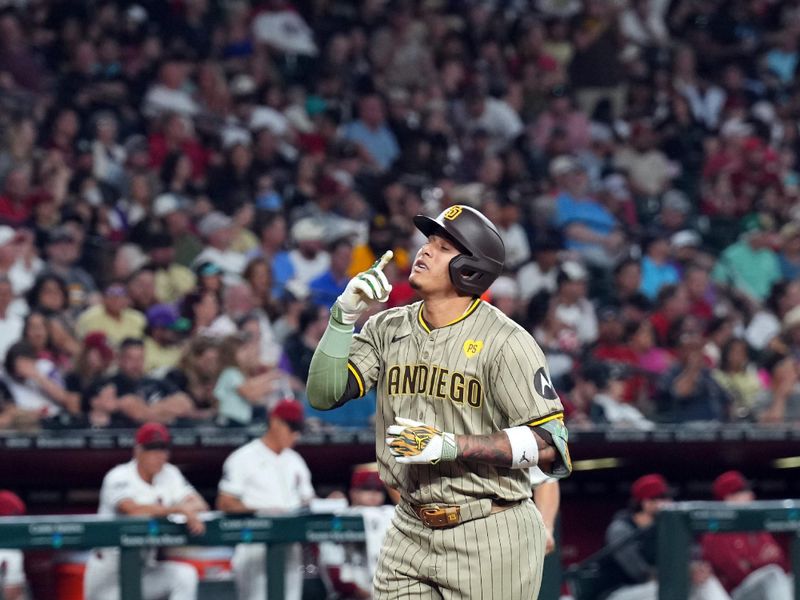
<point>495,449</point>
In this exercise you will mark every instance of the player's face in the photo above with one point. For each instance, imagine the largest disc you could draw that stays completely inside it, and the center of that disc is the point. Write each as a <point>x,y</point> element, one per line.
<point>429,272</point>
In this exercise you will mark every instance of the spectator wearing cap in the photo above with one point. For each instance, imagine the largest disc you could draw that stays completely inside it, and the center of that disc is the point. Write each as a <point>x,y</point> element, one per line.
<point>657,271</point>
<point>371,132</point>
<point>217,231</point>
<point>348,568</point>
<point>632,532</point>
<point>146,486</point>
<point>687,391</point>
<point>172,279</point>
<point>113,316</point>
<point>306,261</point>
<point>248,483</point>
<point>169,209</point>
<point>162,349</point>
<point>673,213</point>
<point>131,398</point>
<point>751,565</point>
<point>609,407</point>
<point>541,273</point>
<point>750,266</point>
<point>588,227</point>
<point>572,307</point>
<point>63,251</point>
<point>13,583</point>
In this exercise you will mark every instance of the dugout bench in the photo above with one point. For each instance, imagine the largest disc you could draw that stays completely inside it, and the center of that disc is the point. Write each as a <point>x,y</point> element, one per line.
<point>677,527</point>
<point>132,534</point>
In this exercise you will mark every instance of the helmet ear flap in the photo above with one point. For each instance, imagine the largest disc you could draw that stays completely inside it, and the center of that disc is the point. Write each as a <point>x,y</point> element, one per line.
<point>467,275</point>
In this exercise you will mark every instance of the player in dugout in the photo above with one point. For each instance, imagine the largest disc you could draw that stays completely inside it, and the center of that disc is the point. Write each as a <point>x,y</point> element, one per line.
<point>465,407</point>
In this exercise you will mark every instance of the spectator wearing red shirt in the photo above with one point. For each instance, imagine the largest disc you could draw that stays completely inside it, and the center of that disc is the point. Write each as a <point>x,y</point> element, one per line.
<point>751,565</point>
<point>16,196</point>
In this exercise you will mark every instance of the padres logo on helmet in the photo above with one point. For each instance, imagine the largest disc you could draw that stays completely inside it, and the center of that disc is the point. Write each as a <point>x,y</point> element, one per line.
<point>482,251</point>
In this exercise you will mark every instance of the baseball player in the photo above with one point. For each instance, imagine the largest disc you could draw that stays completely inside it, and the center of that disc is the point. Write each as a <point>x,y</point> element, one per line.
<point>146,486</point>
<point>465,407</point>
<point>267,475</point>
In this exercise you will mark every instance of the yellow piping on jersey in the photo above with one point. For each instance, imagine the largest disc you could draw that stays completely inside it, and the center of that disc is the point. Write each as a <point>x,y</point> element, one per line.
<point>543,420</point>
<point>471,309</point>
<point>359,381</point>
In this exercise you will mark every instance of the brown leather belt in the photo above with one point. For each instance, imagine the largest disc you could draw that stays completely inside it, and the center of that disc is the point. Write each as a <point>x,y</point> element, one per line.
<point>438,516</point>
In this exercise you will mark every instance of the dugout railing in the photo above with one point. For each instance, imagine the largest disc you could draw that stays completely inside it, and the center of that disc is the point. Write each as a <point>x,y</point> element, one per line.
<point>133,534</point>
<point>677,528</point>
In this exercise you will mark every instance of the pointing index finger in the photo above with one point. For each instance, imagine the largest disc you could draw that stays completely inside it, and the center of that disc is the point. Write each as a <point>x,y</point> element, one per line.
<point>384,260</point>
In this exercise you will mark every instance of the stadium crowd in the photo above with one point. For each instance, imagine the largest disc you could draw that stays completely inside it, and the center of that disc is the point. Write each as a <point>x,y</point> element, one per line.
<point>186,187</point>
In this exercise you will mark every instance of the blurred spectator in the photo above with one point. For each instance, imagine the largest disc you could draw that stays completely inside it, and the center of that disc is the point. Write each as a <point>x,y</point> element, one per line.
<point>540,274</point>
<point>91,363</point>
<point>751,564</point>
<point>750,265</point>
<point>168,208</point>
<point>202,309</point>
<point>688,392</point>
<point>217,231</point>
<point>63,254</point>
<point>327,287</point>
<point>113,316</point>
<point>172,279</point>
<point>300,345</point>
<point>656,269</point>
<point>130,397</point>
<point>649,171</point>
<point>377,143</point>
<point>740,378</point>
<point>494,116</point>
<point>162,350</point>
<point>383,236</point>
<point>34,385</point>
<point>671,305</point>
<point>196,375</point>
<point>561,114</point>
<point>243,386</point>
<point>10,323</point>
<point>572,307</point>
<point>635,557</point>
<point>588,227</point>
<point>141,287</point>
<point>608,408</point>
<point>307,261</point>
<point>790,251</point>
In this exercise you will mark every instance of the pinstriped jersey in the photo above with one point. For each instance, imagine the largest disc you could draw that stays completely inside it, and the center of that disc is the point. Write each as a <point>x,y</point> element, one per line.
<point>477,375</point>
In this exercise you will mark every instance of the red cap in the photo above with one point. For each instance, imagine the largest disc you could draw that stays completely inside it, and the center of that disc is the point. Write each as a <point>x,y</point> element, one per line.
<point>99,341</point>
<point>152,436</point>
<point>11,505</point>
<point>365,477</point>
<point>649,487</point>
<point>730,482</point>
<point>290,411</point>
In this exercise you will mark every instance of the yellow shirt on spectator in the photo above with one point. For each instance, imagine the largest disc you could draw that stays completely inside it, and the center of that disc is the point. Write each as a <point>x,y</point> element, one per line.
<point>174,282</point>
<point>363,257</point>
<point>95,318</point>
<point>159,359</point>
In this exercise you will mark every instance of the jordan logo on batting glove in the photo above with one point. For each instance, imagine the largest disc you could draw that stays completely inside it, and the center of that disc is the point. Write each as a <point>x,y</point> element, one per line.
<point>412,442</point>
<point>369,286</point>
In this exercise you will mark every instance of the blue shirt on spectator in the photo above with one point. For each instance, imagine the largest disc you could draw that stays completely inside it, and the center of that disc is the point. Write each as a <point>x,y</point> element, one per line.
<point>586,212</point>
<point>655,276</point>
<point>380,143</point>
<point>326,288</point>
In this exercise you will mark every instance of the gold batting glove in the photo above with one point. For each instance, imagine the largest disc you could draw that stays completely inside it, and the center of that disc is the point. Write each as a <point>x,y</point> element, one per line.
<point>412,442</point>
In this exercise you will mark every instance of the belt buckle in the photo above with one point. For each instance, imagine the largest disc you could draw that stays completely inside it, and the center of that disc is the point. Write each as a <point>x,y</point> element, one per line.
<point>436,517</point>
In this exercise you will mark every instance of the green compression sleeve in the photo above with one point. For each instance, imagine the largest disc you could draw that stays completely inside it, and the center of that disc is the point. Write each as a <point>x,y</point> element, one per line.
<point>327,376</point>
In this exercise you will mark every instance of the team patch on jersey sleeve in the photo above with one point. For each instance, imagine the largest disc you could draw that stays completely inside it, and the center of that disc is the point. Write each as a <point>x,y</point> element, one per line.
<point>543,385</point>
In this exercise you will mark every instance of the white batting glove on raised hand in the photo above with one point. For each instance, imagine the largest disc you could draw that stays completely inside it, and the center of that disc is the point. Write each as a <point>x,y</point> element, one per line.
<point>412,442</point>
<point>369,286</point>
